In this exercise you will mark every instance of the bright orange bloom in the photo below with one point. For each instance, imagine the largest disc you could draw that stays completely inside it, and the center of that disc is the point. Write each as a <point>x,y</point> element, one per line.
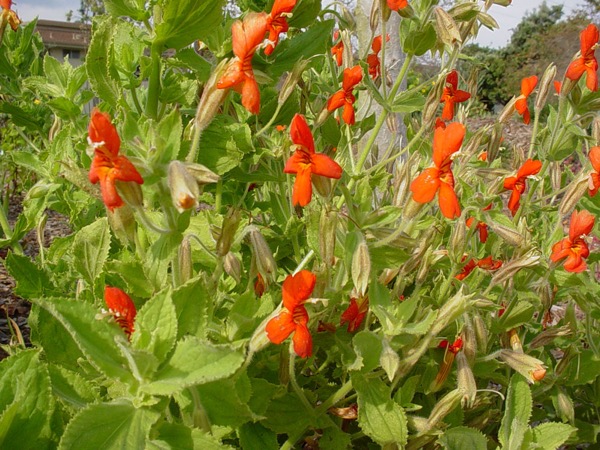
<point>338,49</point>
<point>587,61</point>
<point>8,15</point>
<point>594,180</point>
<point>355,313</point>
<point>488,263</point>
<point>482,228</point>
<point>574,247</point>
<point>305,162</point>
<point>293,318</point>
<point>281,128</point>
<point>259,285</point>
<point>395,5</point>
<point>467,269</point>
<point>344,97</point>
<point>373,58</point>
<point>527,86</point>
<point>107,166</point>
<point>452,348</point>
<point>452,95</point>
<point>277,22</point>
<point>446,142</point>
<point>121,307</point>
<point>517,183</point>
<point>246,36</point>
<point>557,86</point>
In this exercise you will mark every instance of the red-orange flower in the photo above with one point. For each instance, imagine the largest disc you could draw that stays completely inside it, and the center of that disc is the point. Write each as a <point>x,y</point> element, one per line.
<point>454,348</point>
<point>338,49</point>
<point>446,142</point>
<point>344,96</point>
<point>452,95</point>
<point>355,313</point>
<point>587,60</point>
<point>574,247</point>
<point>293,318</point>
<point>305,162</point>
<point>246,36</point>
<point>121,307</point>
<point>517,183</point>
<point>107,165</point>
<point>373,58</point>
<point>395,5</point>
<point>8,15</point>
<point>467,269</point>
<point>594,180</point>
<point>527,86</point>
<point>488,263</point>
<point>277,22</point>
<point>482,227</point>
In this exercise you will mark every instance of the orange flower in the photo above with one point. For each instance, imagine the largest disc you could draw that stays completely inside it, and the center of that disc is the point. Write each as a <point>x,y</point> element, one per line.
<point>344,96</point>
<point>527,86</point>
<point>452,95</point>
<point>395,5</point>
<point>574,247</point>
<point>338,49</point>
<point>446,142</point>
<point>594,180</point>
<point>293,318</point>
<point>355,313</point>
<point>467,269</point>
<point>452,348</point>
<point>107,165</point>
<point>259,285</point>
<point>482,228</point>
<point>121,307</point>
<point>517,183</point>
<point>557,86</point>
<point>488,263</point>
<point>246,37</point>
<point>8,15</point>
<point>305,162</point>
<point>373,58</point>
<point>277,22</point>
<point>587,60</point>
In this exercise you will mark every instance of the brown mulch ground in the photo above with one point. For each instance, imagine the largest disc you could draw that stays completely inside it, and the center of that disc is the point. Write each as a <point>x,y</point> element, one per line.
<point>15,308</point>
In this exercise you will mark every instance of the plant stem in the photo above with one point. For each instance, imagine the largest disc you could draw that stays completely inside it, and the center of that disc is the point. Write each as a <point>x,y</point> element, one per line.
<point>536,121</point>
<point>153,83</point>
<point>8,232</point>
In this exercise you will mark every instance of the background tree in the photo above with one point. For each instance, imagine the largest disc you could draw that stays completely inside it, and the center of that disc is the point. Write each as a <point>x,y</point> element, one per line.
<point>87,10</point>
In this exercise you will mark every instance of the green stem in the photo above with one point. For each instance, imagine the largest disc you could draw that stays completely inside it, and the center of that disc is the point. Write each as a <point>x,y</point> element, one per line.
<point>136,101</point>
<point>294,382</point>
<point>8,232</point>
<point>271,120</point>
<point>536,121</point>
<point>199,416</point>
<point>218,195</point>
<point>153,83</point>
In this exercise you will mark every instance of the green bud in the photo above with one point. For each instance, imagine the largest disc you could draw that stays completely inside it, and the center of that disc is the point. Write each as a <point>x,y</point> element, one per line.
<point>183,186</point>
<point>446,28</point>
<point>230,225</point>
<point>528,366</point>
<point>265,263</point>
<point>361,268</point>
<point>466,381</point>
<point>232,266</point>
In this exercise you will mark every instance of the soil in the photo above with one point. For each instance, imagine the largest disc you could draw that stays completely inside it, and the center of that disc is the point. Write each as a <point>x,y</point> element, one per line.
<point>14,310</point>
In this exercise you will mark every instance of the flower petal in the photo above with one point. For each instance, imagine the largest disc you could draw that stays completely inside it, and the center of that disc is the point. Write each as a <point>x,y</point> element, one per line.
<point>448,201</point>
<point>425,185</point>
<point>280,327</point>
<point>529,167</point>
<point>297,288</point>
<point>352,76</point>
<point>447,141</point>
<point>302,186</point>
<point>302,341</point>
<point>102,130</point>
<point>582,222</point>
<point>301,134</point>
<point>251,95</point>
<point>528,85</point>
<point>336,101</point>
<point>323,165</point>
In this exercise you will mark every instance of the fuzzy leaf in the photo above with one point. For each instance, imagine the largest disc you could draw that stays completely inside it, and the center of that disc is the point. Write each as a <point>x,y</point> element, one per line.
<point>382,419</point>
<point>31,279</point>
<point>551,435</point>
<point>126,8</point>
<point>517,412</point>
<point>109,425</point>
<point>90,249</point>
<point>254,435</point>
<point>462,438</point>
<point>97,62</point>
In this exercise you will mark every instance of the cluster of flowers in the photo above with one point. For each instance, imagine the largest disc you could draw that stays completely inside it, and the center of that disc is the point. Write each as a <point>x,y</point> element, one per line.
<point>248,34</point>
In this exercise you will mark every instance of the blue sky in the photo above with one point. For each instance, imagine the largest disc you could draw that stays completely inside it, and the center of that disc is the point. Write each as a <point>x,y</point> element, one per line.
<point>507,17</point>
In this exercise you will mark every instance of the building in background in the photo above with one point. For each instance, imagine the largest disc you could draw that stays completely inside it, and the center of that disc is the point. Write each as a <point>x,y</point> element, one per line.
<point>65,39</point>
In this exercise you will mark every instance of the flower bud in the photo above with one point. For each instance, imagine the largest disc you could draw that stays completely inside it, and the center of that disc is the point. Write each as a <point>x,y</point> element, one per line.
<point>131,192</point>
<point>403,179</point>
<point>322,185</point>
<point>493,147</point>
<point>547,336</point>
<point>487,21</point>
<point>564,406</point>
<point>348,18</point>
<point>509,270</point>
<point>211,98</point>
<point>466,381</point>
<point>230,225</point>
<point>575,192</point>
<point>265,263</point>
<point>458,241</point>
<point>202,174</point>
<point>374,16</point>
<point>444,407</point>
<point>508,111</point>
<point>411,209</point>
<point>183,187</point>
<point>361,268</point>
<point>508,234</point>
<point>469,340</point>
<point>186,267</point>
<point>291,81</point>
<point>596,129</point>
<point>327,235</point>
<point>232,266</point>
<point>446,28</point>
<point>502,2</point>
<point>450,311</point>
<point>480,333</point>
<point>432,102</point>
<point>464,11</point>
<point>544,86</point>
<point>531,368</point>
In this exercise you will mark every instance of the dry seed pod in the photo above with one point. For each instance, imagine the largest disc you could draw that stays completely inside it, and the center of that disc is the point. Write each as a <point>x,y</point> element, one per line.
<point>575,192</point>
<point>265,263</point>
<point>466,381</point>
<point>446,28</point>
<point>230,225</point>
<point>186,267</point>
<point>528,366</point>
<point>183,186</point>
<point>544,87</point>
<point>361,268</point>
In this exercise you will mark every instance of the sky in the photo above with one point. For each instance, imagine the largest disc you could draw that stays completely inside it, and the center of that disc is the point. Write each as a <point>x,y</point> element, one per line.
<point>507,17</point>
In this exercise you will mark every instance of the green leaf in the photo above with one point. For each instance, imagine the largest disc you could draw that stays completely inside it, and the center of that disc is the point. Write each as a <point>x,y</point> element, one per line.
<point>31,279</point>
<point>517,313</point>
<point>304,13</point>
<point>382,419</point>
<point>191,302</point>
<point>222,403</point>
<point>460,438</point>
<point>408,101</point>
<point>254,435</point>
<point>367,346</point>
<point>551,435</point>
<point>23,118</point>
<point>223,144</point>
<point>168,137</point>
<point>57,73</point>
<point>156,326</point>
<point>127,8</point>
<point>64,108</point>
<point>71,388</point>
<point>262,393</point>
<point>97,61</point>
<point>90,249</point>
<point>517,412</point>
<point>117,425</point>
<point>286,415</point>
<point>417,40</point>
<point>95,338</point>
<point>194,362</point>
<point>316,40</point>
<point>25,401</point>
<point>194,62</point>
<point>185,21</point>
